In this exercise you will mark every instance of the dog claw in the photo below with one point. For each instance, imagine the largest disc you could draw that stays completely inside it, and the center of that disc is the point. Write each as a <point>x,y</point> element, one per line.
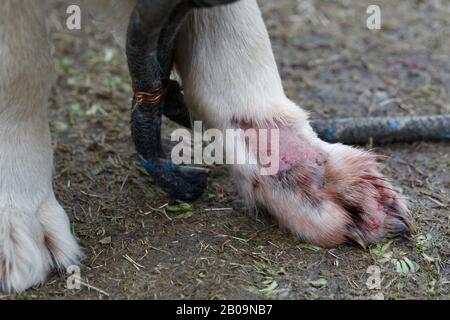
<point>399,221</point>
<point>356,236</point>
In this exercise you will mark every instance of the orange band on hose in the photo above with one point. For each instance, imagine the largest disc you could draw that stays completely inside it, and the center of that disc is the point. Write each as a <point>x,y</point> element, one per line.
<point>153,97</point>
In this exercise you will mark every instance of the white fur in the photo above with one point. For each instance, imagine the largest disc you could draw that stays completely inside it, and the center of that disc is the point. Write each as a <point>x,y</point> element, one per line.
<point>228,69</point>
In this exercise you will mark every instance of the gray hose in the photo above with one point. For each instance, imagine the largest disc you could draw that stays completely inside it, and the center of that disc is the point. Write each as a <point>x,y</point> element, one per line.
<point>384,130</point>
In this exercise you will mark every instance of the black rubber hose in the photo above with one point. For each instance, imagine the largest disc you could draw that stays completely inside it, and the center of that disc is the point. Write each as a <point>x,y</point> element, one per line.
<point>384,130</point>
<point>152,30</point>
<point>149,78</point>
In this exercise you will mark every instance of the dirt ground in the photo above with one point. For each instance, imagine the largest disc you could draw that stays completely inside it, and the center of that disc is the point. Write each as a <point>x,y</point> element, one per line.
<point>333,66</point>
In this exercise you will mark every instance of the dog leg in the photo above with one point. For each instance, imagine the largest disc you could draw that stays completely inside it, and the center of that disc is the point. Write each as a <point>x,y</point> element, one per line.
<point>326,194</point>
<point>35,232</point>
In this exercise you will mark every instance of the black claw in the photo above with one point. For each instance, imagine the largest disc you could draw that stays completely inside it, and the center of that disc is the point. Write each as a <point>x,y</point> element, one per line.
<point>400,221</point>
<point>357,237</point>
<point>396,227</point>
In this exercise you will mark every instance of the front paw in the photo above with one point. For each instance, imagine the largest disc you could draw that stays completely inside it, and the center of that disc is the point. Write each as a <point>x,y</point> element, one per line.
<point>367,196</point>
<point>329,194</point>
<point>32,242</point>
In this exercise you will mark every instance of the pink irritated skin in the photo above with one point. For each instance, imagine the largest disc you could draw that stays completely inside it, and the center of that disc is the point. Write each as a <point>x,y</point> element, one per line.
<point>329,196</point>
<point>292,151</point>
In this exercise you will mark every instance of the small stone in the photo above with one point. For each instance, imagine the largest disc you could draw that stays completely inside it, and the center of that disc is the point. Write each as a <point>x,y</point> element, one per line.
<point>106,241</point>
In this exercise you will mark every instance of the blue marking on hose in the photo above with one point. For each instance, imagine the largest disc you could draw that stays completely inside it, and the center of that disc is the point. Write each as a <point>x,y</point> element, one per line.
<point>139,118</point>
<point>169,166</point>
<point>445,135</point>
<point>393,125</point>
<point>152,167</point>
<point>149,166</point>
<point>329,134</point>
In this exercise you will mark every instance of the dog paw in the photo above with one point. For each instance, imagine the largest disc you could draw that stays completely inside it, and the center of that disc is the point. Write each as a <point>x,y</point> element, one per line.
<point>32,242</point>
<point>328,194</point>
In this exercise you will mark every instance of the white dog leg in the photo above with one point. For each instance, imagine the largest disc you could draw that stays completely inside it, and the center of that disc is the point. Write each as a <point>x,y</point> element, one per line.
<point>35,233</point>
<point>326,194</point>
